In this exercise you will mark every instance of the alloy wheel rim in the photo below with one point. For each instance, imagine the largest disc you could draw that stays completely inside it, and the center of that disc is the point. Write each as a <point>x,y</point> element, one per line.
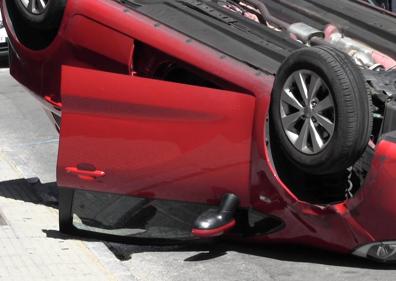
<point>35,7</point>
<point>307,112</point>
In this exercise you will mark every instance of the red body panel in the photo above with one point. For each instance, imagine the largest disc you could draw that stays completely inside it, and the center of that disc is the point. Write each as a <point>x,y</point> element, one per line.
<point>374,206</point>
<point>155,139</point>
<point>183,142</point>
<point>213,232</point>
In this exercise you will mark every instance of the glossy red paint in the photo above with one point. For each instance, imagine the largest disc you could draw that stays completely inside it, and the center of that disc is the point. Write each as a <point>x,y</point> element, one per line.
<point>155,137</point>
<point>364,219</point>
<point>85,174</point>
<point>374,206</point>
<point>204,233</point>
<point>166,140</point>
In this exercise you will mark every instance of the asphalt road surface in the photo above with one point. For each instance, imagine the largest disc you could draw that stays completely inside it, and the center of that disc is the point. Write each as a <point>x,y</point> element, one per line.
<point>28,147</point>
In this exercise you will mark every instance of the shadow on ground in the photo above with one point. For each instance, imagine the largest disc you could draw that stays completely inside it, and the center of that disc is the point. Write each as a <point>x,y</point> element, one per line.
<point>210,250</point>
<point>4,63</point>
<point>46,194</point>
<point>30,190</point>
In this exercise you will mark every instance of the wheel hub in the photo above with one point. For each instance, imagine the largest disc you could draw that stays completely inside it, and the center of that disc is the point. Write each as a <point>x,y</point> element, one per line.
<point>35,7</point>
<point>307,112</point>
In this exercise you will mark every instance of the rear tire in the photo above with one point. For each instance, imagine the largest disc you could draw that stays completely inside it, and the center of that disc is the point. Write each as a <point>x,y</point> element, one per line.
<point>38,16</point>
<point>317,145</point>
<point>36,30</point>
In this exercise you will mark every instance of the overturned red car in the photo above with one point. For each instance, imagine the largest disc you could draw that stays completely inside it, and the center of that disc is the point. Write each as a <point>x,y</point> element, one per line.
<point>269,121</point>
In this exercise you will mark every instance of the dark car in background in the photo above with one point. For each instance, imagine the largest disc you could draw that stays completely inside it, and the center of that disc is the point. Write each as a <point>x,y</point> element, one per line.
<point>3,41</point>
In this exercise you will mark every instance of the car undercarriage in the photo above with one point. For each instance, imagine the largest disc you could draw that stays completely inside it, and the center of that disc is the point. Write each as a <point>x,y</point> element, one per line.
<point>282,108</point>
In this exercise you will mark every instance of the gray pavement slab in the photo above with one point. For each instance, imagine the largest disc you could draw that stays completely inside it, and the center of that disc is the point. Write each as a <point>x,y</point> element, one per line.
<point>233,261</point>
<point>28,141</point>
<point>28,252</point>
<point>31,247</point>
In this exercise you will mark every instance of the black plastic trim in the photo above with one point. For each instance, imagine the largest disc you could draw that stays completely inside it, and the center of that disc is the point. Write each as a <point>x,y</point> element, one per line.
<point>232,34</point>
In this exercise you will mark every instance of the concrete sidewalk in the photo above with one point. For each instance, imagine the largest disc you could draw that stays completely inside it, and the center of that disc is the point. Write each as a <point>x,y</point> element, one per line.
<point>31,247</point>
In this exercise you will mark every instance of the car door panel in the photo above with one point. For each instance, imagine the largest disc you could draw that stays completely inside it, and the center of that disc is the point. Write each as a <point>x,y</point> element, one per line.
<point>143,137</point>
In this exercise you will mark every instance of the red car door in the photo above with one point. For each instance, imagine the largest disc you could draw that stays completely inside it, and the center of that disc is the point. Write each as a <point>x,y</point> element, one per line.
<point>149,138</point>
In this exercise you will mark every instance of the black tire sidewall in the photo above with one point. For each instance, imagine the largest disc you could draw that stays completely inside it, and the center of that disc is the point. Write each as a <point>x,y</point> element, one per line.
<point>48,19</point>
<point>332,158</point>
